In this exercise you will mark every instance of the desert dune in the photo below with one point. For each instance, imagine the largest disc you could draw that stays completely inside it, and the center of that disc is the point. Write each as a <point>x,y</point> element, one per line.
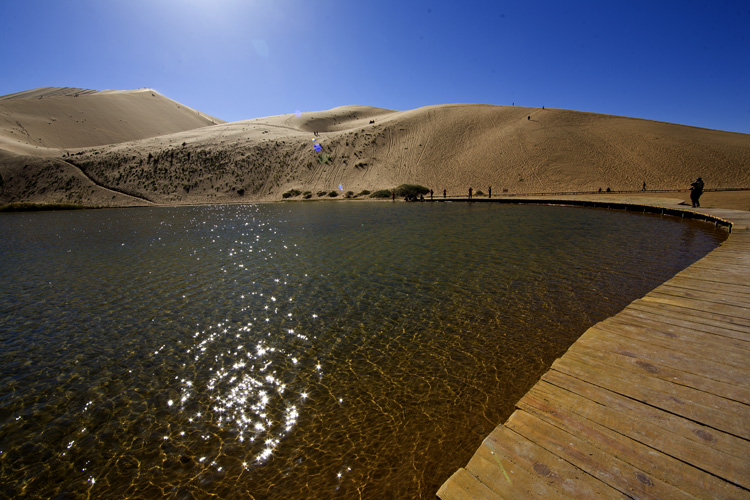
<point>137,147</point>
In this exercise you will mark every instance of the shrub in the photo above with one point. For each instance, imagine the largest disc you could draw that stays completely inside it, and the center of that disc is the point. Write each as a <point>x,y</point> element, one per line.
<point>382,193</point>
<point>479,193</point>
<point>364,192</point>
<point>333,194</point>
<point>349,194</point>
<point>411,189</point>
<point>307,195</point>
<point>321,193</point>
<point>291,193</point>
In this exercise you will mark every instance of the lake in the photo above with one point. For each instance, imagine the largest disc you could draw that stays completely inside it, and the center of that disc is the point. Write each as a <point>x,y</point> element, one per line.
<point>295,350</point>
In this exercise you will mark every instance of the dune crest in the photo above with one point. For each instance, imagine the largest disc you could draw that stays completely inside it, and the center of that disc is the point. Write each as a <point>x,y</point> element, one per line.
<point>138,147</point>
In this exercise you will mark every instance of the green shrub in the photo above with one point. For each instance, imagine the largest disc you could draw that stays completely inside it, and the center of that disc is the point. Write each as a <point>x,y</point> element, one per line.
<point>307,195</point>
<point>333,194</point>
<point>381,193</point>
<point>322,193</point>
<point>35,207</point>
<point>349,194</point>
<point>291,193</point>
<point>364,192</point>
<point>411,189</point>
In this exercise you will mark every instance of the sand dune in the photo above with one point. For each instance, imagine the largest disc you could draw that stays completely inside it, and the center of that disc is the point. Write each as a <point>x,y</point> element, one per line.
<point>44,120</point>
<point>138,147</point>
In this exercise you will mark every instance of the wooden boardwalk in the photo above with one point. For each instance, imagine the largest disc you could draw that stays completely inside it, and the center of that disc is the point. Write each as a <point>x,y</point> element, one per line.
<point>653,402</point>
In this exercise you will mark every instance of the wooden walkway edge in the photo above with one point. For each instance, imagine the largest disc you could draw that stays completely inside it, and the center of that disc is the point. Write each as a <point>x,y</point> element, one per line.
<point>652,403</point>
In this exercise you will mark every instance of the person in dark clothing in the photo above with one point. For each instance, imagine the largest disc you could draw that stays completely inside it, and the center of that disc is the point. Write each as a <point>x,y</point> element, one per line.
<point>489,192</point>
<point>470,191</point>
<point>444,193</point>
<point>696,190</point>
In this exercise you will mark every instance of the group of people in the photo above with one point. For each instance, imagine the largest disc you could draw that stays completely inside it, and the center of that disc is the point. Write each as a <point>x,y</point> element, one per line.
<point>696,190</point>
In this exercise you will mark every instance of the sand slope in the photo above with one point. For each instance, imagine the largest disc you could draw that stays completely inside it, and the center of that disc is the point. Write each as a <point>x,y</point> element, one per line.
<point>50,118</point>
<point>453,147</point>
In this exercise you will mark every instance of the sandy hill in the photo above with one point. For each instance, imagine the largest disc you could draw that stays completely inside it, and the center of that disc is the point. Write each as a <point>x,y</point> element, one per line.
<point>453,147</point>
<point>38,121</point>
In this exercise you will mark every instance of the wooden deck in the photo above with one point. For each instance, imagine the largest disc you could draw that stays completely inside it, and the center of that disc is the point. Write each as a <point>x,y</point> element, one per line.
<point>651,403</point>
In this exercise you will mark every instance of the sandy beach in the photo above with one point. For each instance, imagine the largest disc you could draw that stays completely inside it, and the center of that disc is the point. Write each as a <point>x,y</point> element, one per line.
<point>129,148</point>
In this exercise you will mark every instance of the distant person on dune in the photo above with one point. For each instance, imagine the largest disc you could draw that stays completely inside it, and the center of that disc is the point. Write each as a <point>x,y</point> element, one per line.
<point>444,193</point>
<point>644,186</point>
<point>470,191</point>
<point>696,190</point>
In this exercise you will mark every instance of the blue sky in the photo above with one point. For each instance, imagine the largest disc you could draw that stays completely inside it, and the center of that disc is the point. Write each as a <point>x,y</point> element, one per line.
<point>682,61</point>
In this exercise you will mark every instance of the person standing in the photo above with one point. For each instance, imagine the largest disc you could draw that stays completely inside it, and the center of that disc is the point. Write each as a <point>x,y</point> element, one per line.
<point>444,193</point>
<point>430,194</point>
<point>644,186</point>
<point>489,192</point>
<point>470,191</point>
<point>696,190</point>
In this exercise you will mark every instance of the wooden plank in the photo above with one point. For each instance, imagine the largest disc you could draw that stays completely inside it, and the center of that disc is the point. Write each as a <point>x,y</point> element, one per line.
<point>666,323</point>
<point>463,486</point>
<point>669,422</point>
<point>720,260</point>
<point>648,465</point>
<point>715,462</point>
<point>719,413</point>
<point>568,440</point>
<point>701,313</point>
<point>696,283</point>
<point>712,294</point>
<point>728,311</point>
<point>722,380</point>
<point>723,275</point>
<point>715,297</point>
<point>679,339</point>
<point>507,479</point>
<point>565,478</point>
<point>713,361</point>
<point>714,324</point>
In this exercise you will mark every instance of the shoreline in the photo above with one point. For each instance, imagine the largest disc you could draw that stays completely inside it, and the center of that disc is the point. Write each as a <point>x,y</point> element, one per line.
<point>725,198</point>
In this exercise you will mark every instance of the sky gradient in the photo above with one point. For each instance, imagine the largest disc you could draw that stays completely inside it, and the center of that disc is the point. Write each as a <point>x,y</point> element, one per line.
<point>684,62</point>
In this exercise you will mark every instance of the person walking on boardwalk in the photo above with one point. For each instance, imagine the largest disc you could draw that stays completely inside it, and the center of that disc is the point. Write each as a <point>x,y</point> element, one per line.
<point>696,190</point>
<point>470,191</point>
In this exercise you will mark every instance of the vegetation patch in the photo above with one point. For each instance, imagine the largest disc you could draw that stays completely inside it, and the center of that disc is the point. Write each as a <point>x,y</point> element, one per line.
<point>292,193</point>
<point>411,189</point>
<point>381,193</point>
<point>333,194</point>
<point>307,195</point>
<point>322,193</point>
<point>364,192</point>
<point>36,207</point>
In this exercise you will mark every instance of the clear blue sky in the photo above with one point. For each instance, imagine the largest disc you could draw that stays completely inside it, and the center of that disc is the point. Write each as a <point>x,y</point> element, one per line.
<point>677,61</point>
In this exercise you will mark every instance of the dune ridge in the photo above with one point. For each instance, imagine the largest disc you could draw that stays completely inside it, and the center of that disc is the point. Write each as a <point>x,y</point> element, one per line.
<point>138,147</point>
